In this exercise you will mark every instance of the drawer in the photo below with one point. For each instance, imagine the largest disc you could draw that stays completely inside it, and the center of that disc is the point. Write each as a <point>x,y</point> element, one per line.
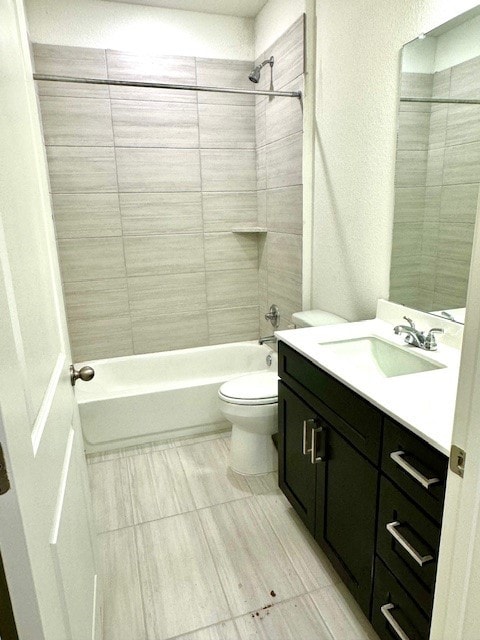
<point>362,422</point>
<point>416,467</point>
<point>394,613</point>
<point>408,543</point>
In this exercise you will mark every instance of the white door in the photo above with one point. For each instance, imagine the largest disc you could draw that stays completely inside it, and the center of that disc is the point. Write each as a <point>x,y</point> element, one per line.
<point>46,540</point>
<point>456,614</point>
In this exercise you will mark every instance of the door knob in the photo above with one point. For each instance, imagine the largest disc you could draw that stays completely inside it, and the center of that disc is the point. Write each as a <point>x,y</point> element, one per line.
<point>85,373</point>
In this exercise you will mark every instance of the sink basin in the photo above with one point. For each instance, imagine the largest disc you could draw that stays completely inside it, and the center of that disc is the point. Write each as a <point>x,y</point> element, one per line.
<point>374,356</point>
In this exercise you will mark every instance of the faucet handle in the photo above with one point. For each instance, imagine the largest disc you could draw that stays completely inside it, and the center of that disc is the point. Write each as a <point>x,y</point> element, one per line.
<point>430,342</point>
<point>410,321</point>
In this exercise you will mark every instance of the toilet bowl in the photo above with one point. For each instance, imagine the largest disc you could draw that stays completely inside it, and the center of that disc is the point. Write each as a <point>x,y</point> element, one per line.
<point>250,403</point>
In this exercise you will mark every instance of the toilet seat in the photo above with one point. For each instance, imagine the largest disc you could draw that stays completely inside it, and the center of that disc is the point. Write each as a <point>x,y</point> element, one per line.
<point>251,389</point>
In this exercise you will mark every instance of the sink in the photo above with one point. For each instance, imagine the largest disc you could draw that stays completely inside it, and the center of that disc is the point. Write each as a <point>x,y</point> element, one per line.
<point>374,356</point>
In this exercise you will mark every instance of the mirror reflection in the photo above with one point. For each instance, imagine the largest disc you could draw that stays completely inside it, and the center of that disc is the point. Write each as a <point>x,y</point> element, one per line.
<point>437,175</point>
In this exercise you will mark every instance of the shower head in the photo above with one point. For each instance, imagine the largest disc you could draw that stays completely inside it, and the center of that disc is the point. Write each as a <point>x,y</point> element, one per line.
<point>255,73</point>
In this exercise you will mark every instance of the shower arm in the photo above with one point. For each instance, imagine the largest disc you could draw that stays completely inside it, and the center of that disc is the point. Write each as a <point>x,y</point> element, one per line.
<point>164,85</point>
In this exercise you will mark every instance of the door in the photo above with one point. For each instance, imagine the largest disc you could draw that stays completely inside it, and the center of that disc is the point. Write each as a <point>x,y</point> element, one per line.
<point>345,512</point>
<point>296,472</point>
<point>46,539</point>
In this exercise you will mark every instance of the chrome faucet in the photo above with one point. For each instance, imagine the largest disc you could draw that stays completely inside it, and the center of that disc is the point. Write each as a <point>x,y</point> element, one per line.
<point>267,339</point>
<point>418,338</point>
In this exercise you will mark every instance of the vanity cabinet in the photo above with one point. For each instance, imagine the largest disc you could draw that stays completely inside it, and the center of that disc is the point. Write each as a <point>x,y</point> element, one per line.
<point>369,490</point>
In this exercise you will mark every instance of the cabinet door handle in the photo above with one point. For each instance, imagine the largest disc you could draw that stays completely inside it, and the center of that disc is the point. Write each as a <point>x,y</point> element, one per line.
<point>386,609</point>
<point>392,530</point>
<point>313,450</point>
<point>306,451</point>
<point>397,456</point>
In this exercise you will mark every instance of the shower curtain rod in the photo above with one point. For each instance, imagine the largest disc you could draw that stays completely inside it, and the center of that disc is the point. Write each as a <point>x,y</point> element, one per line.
<point>165,85</point>
<point>441,100</point>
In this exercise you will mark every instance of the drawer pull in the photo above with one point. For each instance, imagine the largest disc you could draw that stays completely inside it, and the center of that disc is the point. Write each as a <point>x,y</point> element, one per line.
<point>392,530</point>
<point>386,609</point>
<point>313,450</point>
<point>397,456</point>
<point>306,451</point>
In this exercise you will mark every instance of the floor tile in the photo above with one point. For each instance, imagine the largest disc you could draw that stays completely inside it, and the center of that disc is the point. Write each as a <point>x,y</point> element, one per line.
<point>290,620</point>
<point>223,631</point>
<point>122,609</point>
<point>250,561</point>
<point>210,479</point>
<point>159,487</point>
<point>266,483</point>
<point>204,437</point>
<point>341,614</point>
<point>180,585</point>
<point>126,452</point>
<point>112,503</point>
<point>309,561</point>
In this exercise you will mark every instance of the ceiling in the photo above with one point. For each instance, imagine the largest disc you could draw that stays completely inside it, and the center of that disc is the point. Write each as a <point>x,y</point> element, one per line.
<point>242,8</point>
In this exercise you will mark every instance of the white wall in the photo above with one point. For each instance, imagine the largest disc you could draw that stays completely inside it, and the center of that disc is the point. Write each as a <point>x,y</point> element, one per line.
<point>110,25</point>
<point>358,45</point>
<point>458,45</point>
<point>274,19</point>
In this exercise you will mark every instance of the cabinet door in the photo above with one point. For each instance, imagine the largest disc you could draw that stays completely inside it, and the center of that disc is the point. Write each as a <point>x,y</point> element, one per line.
<point>296,471</point>
<point>346,511</point>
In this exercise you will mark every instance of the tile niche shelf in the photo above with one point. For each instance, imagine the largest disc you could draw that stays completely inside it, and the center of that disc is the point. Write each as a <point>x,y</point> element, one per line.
<point>249,230</point>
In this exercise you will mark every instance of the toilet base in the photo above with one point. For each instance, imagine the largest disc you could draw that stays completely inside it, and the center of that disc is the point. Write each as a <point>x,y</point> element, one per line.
<point>252,453</point>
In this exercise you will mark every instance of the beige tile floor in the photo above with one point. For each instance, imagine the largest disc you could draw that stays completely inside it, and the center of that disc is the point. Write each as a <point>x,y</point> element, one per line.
<point>192,551</point>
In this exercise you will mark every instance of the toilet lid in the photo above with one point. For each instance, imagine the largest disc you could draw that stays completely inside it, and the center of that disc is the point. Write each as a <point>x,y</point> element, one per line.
<point>253,388</point>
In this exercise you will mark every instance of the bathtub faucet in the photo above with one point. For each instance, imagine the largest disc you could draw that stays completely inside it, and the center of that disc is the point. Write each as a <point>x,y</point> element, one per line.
<point>267,339</point>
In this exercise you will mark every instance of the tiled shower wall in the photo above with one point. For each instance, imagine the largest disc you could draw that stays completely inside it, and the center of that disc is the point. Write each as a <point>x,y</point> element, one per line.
<point>147,186</point>
<point>279,127</point>
<point>438,179</point>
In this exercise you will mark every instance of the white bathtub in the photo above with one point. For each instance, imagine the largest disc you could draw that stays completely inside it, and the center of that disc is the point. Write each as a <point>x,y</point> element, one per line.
<point>138,399</point>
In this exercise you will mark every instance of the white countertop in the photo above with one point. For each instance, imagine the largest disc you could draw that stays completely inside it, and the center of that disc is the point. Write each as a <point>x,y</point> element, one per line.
<point>423,402</point>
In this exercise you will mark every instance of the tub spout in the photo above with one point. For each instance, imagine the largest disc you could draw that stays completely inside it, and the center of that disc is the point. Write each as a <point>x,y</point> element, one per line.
<point>267,339</point>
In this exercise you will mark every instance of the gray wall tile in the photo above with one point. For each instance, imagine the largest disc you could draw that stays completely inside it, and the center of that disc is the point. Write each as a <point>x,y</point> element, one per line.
<point>227,126</point>
<point>225,251</point>
<point>232,325</point>
<point>455,241</point>
<point>213,72</point>
<point>166,294</point>
<point>411,168</point>
<point>171,253</point>
<point>409,204</point>
<point>83,215</point>
<point>144,67</point>
<point>459,203</point>
<point>462,164</point>
<point>154,124</point>
<point>284,116</point>
<point>82,169</point>
<point>226,289</point>
<point>223,170</point>
<point>106,337</point>
<point>288,52</point>
<point>464,79</point>
<point>413,129</point>
<point>223,211</point>
<point>154,170</point>
<point>463,124</point>
<point>158,213</point>
<point>74,121</point>
<point>284,209</point>
<point>284,162</point>
<point>261,167</point>
<point>81,62</point>
<point>91,258</point>
<point>285,252</point>
<point>93,299</point>
<point>170,331</point>
<point>416,85</point>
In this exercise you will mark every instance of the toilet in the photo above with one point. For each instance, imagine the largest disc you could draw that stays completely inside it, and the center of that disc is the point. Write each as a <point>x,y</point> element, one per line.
<point>250,403</point>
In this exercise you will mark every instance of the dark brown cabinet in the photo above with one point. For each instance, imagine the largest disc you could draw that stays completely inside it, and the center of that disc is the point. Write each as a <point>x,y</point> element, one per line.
<point>370,491</point>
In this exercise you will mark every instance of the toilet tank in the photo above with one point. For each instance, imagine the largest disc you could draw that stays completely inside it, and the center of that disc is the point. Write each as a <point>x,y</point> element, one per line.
<point>315,318</point>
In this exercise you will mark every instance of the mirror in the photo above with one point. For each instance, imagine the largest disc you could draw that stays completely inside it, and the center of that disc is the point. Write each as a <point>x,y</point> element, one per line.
<point>437,173</point>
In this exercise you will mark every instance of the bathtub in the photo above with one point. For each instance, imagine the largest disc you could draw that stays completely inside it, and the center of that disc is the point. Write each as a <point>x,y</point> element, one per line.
<point>134,400</point>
